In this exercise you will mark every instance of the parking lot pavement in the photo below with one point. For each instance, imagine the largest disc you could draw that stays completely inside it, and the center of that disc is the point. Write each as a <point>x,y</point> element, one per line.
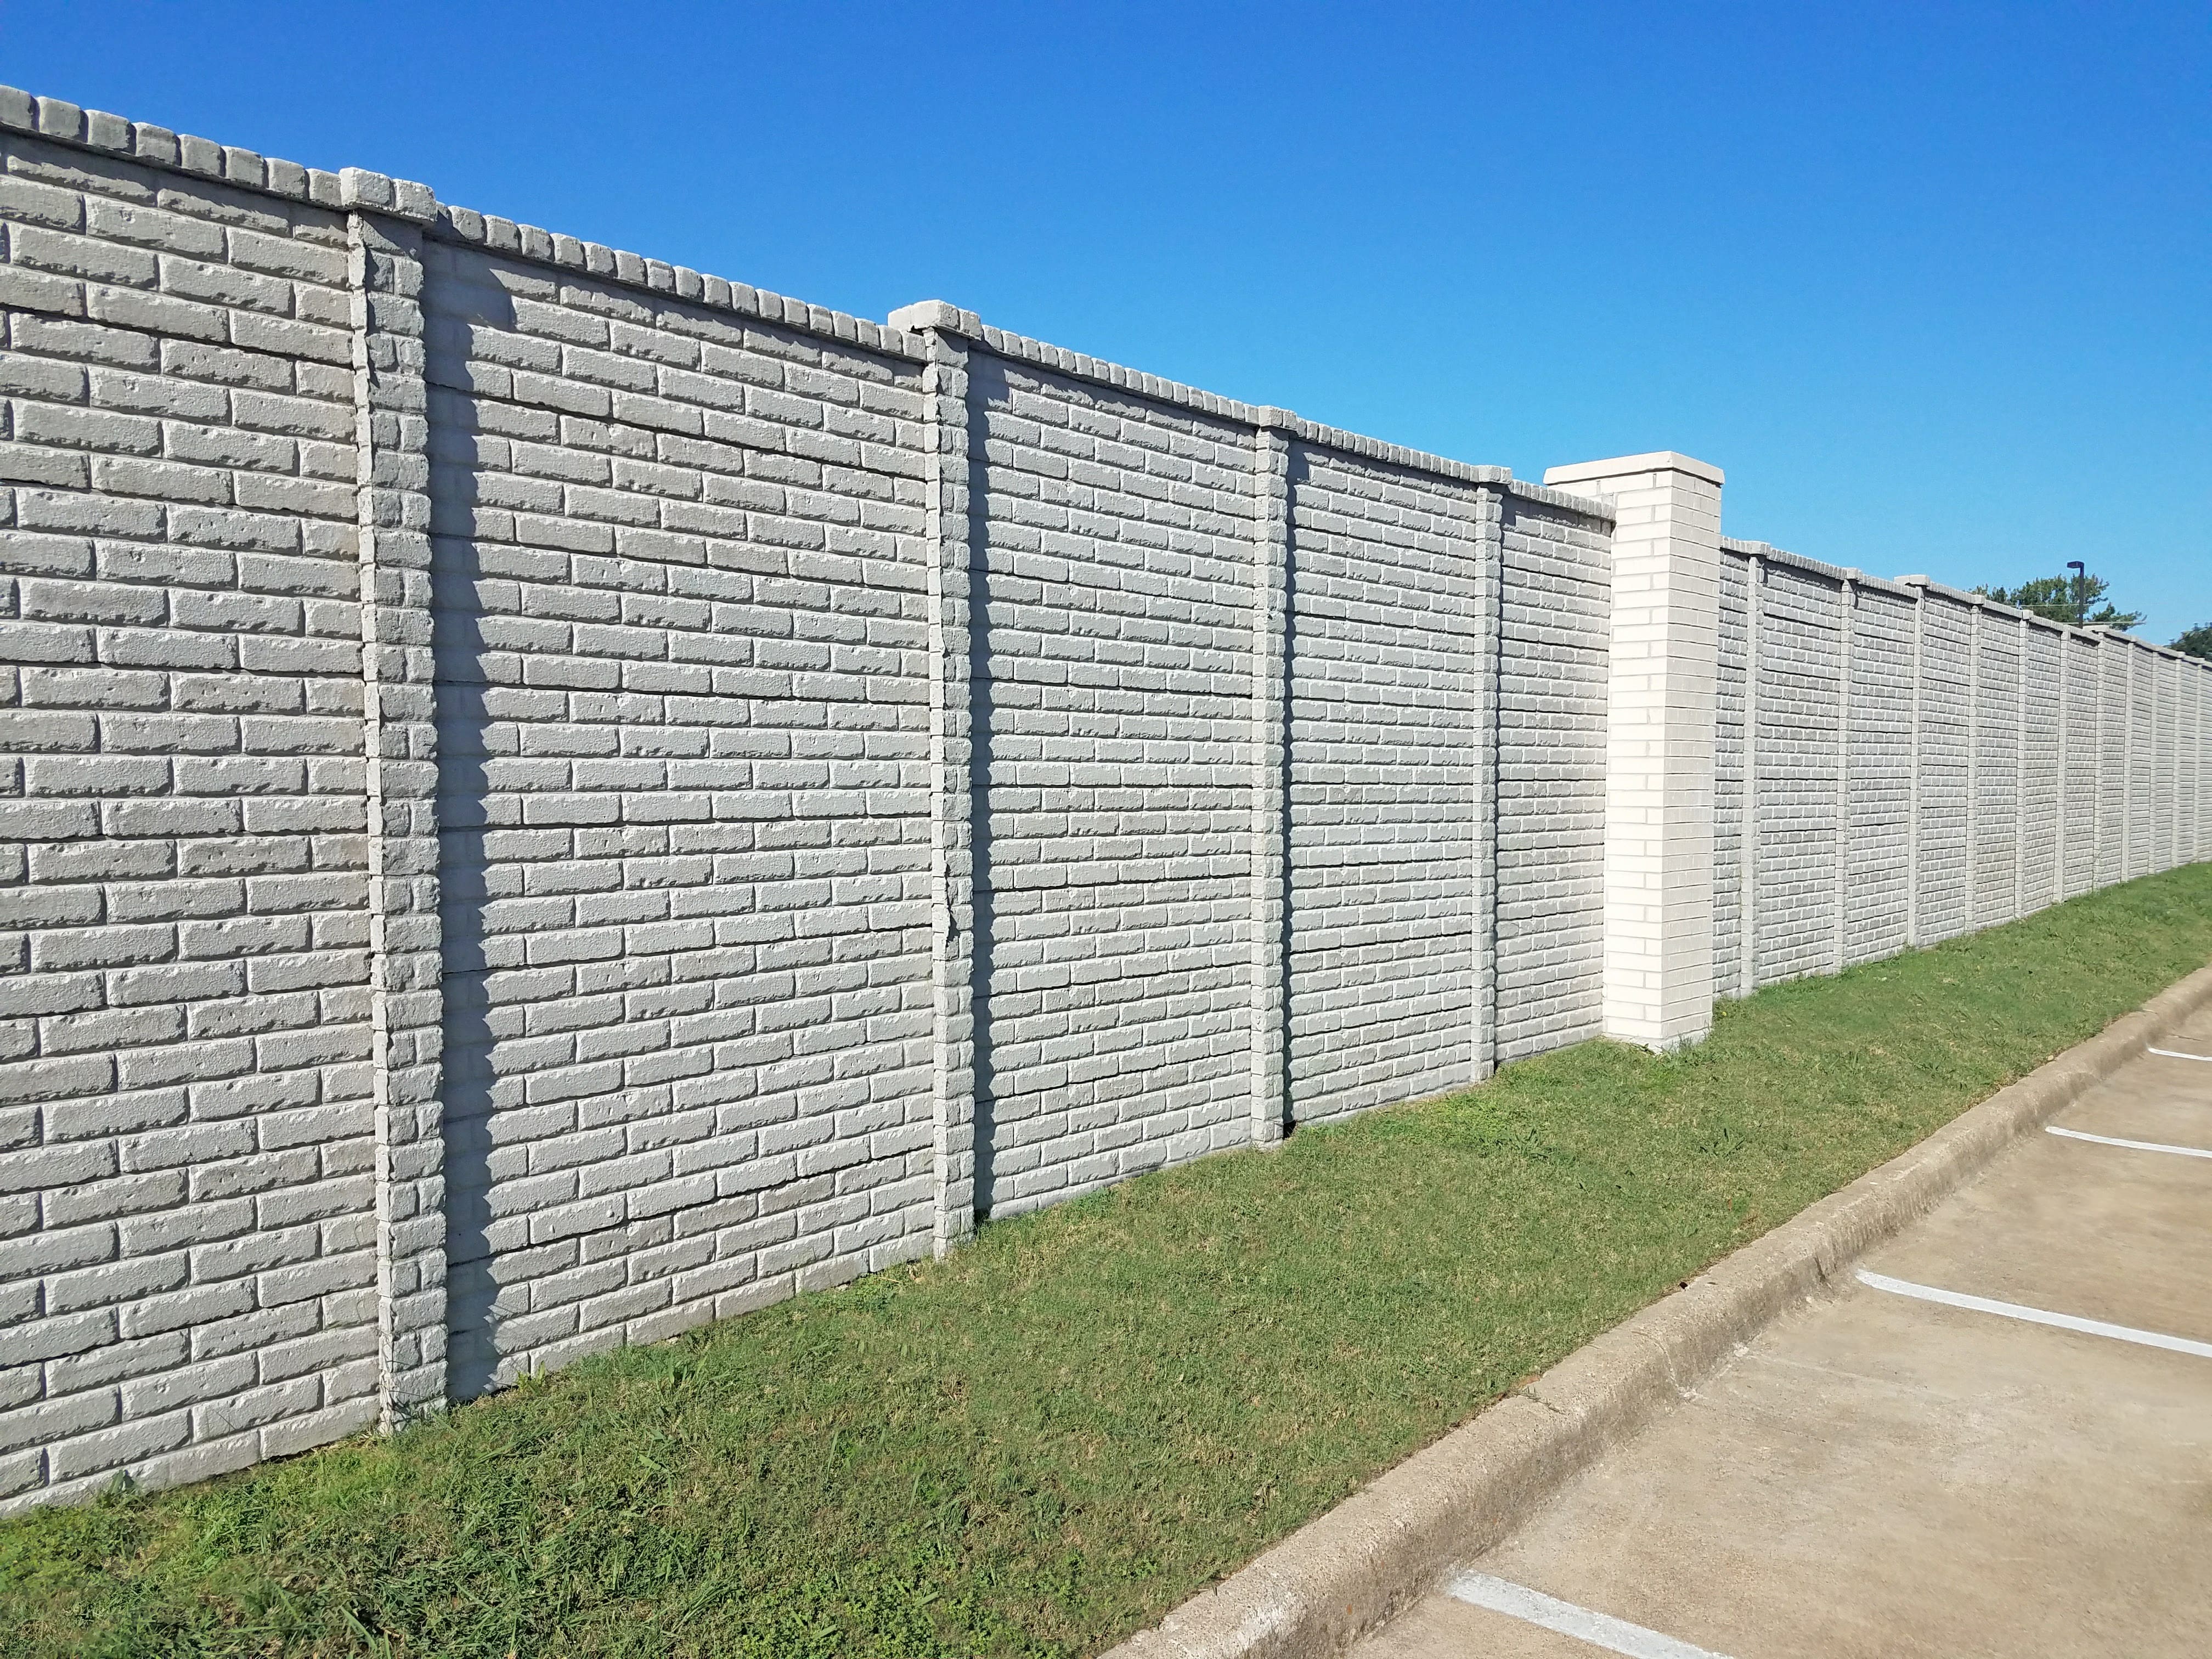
<point>1995,1440</point>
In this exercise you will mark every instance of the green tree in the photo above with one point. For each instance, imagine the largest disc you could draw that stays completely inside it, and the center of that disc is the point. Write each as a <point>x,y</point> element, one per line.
<point>2056,597</point>
<point>2197,643</point>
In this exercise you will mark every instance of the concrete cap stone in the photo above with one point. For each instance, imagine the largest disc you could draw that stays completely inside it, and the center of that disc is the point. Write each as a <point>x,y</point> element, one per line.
<point>1658,460</point>
<point>938,314</point>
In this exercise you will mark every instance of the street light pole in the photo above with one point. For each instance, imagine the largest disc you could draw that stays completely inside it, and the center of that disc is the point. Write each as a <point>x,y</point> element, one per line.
<point>2081,592</point>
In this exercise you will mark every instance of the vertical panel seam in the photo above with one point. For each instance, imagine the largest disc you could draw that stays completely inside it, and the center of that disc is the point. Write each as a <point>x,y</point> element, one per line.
<point>953,875</point>
<point>1754,608</point>
<point>1490,587</point>
<point>1269,737</point>
<point>400,782</point>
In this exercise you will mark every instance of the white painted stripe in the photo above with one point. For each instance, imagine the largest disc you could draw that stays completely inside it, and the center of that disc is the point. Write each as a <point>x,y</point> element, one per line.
<point>2139,1145</point>
<point>2036,1315</point>
<point>2176,1053</point>
<point>1480,1589</point>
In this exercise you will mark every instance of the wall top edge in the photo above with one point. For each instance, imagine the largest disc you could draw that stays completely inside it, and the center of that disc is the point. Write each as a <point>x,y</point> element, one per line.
<point>506,237</point>
<point>64,123</point>
<point>1918,587</point>
<point>358,189</point>
<point>1834,572</point>
<point>1591,507</point>
<point>1621,467</point>
<point>1998,607</point>
<point>942,317</point>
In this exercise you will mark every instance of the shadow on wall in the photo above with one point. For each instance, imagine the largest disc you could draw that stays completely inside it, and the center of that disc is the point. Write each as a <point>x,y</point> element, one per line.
<point>464,721</point>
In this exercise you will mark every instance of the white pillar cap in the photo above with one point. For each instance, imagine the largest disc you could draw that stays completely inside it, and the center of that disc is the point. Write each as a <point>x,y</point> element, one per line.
<point>1659,460</point>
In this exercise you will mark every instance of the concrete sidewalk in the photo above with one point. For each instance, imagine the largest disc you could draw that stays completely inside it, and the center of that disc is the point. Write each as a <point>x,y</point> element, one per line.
<point>1882,1475</point>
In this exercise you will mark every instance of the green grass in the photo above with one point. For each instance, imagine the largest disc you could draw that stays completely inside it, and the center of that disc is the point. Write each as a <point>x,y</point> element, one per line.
<point>1048,1441</point>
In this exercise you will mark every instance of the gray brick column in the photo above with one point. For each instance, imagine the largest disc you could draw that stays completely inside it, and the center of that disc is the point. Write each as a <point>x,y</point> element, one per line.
<point>945,331</point>
<point>1270,754</point>
<point>398,702</point>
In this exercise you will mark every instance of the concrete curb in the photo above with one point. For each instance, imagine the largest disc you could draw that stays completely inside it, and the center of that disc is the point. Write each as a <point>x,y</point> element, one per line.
<point>1352,1569</point>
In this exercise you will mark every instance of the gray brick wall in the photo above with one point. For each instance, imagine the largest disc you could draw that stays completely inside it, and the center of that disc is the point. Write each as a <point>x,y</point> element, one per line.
<point>1876,863</point>
<point>1555,620</point>
<point>2115,778</point>
<point>1730,776</point>
<point>2080,795</point>
<point>1993,763</point>
<point>1991,886</point>
<point>2042,770</point>
<point>1117,568</point>
<point>1946,780</point>
<point>551,798</point>
<point>187,1204</point>
<point>682,715</point>
<point>554,798</point>
<point>1797,771</point>
<point>1389,651</point>
<point>2145,772</point>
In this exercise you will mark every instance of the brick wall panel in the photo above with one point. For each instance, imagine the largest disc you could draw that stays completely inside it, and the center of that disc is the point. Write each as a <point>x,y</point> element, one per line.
<point>684,739</point>
<point>2043,770</point>
<point>1877,890</point>
<point>1554,620</point>
<point>187,1085</point>
<point>1386,665</point>
<point>1996,824</point>
<point>1946,734</point>
<point>1799,710</point>
<point>1114,714</point>
<point>1729,773</point>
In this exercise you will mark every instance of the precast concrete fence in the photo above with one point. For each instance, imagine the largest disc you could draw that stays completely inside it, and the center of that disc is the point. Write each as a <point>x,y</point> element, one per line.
<point>1899,763</point>
<point>550,799</point>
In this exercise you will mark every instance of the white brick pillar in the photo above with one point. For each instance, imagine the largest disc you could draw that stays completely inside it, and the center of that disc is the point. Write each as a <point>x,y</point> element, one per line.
<point>1659,749</point>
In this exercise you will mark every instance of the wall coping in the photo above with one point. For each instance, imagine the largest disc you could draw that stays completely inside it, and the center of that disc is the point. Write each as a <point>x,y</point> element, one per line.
<point>1913,586</point>
<point>1622,466</point>
<point>360,189</point>
<point>943,317</point>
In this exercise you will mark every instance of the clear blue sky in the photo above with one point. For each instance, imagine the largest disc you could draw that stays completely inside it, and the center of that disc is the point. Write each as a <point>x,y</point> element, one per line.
<point>1932,282</point>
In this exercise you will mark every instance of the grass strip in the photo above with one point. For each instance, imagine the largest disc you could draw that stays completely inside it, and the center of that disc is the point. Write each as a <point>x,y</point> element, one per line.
<point>1048,1441</point>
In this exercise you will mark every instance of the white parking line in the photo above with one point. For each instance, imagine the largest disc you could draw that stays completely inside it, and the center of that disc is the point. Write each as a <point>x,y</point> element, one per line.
<point>2176,1053</point>
<point>1480,1589</point>
<point>2139,1145</point>
<point>2035,1315</point>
